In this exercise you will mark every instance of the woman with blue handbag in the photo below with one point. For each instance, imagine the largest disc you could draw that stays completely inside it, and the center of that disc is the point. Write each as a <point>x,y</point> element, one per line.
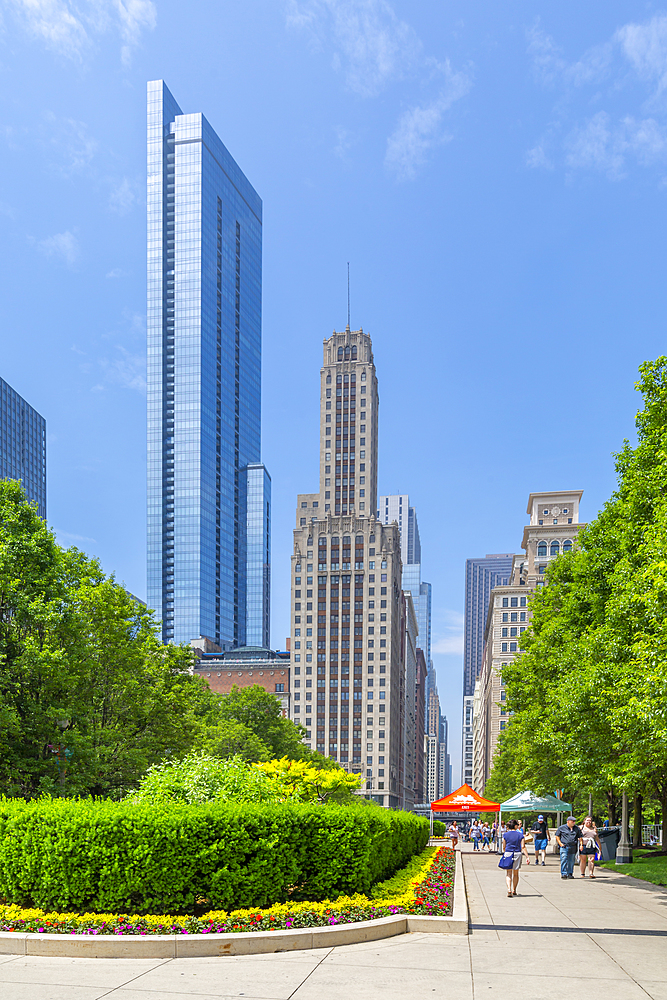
<point>514,848</point>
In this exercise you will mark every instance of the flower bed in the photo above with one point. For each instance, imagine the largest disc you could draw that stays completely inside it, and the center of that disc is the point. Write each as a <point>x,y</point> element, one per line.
<point>424,886</point>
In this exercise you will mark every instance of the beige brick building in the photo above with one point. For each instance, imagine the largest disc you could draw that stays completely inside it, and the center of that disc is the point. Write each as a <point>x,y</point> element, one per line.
<point>552,529</point>
<point>348,619</point>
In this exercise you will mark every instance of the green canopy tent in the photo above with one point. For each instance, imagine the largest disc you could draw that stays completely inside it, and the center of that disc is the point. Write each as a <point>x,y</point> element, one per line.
<point>529,802</point>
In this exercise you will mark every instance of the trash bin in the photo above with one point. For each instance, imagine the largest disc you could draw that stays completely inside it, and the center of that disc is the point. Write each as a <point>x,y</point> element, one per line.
<point>609,838</point>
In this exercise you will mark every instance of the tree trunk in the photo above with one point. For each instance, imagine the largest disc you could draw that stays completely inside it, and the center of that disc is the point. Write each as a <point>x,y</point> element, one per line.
<point>612,806</point>
<point>637,821</point>
<point>663,817</point>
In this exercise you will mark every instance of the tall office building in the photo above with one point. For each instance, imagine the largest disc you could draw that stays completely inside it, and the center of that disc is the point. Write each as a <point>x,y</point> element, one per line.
<point>348,622</point>
<point>23,445</point>
<point>433,745</point>
<point>444,763</point>
<point>482,575</point>
<point>209,497</point>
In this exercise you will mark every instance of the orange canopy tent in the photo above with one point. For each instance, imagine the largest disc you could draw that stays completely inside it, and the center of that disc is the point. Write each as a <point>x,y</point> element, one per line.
<point>464,799</point>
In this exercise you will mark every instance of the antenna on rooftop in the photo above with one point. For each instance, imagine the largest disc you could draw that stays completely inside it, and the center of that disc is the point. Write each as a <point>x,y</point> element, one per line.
<point>348,295</point>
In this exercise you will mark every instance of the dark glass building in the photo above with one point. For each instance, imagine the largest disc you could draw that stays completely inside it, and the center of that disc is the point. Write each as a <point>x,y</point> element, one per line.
<point>209,497</point>
<point>23,445</point>
<point>482,575</point>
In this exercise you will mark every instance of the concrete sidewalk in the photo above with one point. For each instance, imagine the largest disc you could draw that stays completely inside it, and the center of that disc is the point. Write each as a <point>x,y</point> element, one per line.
<point>607,936</point>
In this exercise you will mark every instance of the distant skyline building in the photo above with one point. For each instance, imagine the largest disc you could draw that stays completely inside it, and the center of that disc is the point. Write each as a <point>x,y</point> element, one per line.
<point>482,575</point>
<point>552,529</point>
<point>23,445</point>
<point>209,496</point>
<point>396,507</point>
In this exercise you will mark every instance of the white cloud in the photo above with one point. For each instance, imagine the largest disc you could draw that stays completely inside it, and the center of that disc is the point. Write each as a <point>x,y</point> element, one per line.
<point>63,245</point>
<point>420,128</point>
<point>55,23</point>
<point>70,28</point>
<point>122,197</point>
<point>606,142</point>
<point>66,538</point>
<point>548,61</point>
<point>538,157</point>
<point>645,47</point>
<point>116,272</point>
<point>448,636</point>
<point>70,140</point>
<point>606,146</point>
<point>134,16</point>
<point>371,45</point>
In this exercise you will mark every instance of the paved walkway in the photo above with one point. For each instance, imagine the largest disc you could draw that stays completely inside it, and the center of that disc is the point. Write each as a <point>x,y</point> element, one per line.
<point>556,937</point>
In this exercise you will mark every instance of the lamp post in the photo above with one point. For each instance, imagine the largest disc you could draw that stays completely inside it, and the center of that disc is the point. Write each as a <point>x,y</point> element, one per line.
<point>624,849</point>
<point>62,762</point>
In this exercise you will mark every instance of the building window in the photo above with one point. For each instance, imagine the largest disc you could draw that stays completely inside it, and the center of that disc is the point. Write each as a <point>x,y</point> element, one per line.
<point>542,549</point>
<point>506,602</point>
<point>567,545</point>
<point>555,548</point>
<point>280,688</point>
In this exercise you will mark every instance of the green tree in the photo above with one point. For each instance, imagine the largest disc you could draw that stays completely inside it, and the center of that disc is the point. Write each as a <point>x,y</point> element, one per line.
<point>588,694</point>
<point>260,713</point>
<point>89,696</point>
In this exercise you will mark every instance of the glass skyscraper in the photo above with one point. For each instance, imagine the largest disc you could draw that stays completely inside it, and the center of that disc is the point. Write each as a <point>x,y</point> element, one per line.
<point>23,445</point>
<point>482,575</point>
<point>209,497</point>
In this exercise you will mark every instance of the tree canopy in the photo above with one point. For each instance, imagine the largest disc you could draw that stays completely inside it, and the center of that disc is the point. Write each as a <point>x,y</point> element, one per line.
<point>89,696</point>
<point>588,694</point>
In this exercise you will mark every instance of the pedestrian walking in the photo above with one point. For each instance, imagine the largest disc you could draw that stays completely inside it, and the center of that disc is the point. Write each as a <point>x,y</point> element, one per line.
<point>475,835</point>
<point>540,832</point>
<point>454,834</point>
<point>588,845</point>
<point>514,849</point>
<point>568,836</point>
<point>486,837</point>
<point>494,834</point>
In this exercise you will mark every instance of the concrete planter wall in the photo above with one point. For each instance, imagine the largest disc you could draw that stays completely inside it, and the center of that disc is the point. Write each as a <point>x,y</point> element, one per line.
<point>250,943</point>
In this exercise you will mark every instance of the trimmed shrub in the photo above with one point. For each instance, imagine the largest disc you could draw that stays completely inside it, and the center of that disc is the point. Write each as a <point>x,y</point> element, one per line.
<point>103,856</point>
<point>439,828</point>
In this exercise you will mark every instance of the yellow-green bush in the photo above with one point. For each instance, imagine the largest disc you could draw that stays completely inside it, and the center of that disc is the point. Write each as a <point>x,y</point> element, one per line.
<point>141,858</point>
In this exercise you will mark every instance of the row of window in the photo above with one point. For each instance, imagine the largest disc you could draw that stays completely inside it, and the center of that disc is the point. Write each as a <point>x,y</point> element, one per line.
<point>554,548</point>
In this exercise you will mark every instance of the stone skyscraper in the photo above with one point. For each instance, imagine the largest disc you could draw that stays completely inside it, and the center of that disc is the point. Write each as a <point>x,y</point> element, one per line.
<point>348,666</point>
<point>209,497</point>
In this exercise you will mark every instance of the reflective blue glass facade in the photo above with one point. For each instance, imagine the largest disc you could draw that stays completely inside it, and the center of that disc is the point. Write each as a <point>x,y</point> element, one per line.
<point>204,370</point>
<point>23,445</point>
<point>258,556</point>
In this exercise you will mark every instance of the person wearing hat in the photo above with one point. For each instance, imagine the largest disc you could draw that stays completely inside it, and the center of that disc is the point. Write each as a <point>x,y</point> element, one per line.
<point>568,836</point>
<point>541,836</point>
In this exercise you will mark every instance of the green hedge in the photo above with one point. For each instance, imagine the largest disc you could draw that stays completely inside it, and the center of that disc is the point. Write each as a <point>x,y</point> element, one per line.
<point>104,856</point>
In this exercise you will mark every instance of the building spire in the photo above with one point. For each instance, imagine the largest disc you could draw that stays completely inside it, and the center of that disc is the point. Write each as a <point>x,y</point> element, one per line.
<point>348,297</point>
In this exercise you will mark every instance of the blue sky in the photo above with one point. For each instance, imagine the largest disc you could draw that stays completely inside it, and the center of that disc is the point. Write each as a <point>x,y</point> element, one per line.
<point>496,174</point>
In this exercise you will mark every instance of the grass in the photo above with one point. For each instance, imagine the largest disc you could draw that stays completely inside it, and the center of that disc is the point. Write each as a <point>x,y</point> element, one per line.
<point>647,865</point>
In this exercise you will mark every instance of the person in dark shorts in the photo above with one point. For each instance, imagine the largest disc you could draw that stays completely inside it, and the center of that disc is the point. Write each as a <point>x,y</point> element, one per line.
<point>540,832</point>
<point>515,841</point>
<point>588,845</point>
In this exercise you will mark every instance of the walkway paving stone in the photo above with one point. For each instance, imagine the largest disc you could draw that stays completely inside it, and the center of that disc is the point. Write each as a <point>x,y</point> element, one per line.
<point>554,936</point>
